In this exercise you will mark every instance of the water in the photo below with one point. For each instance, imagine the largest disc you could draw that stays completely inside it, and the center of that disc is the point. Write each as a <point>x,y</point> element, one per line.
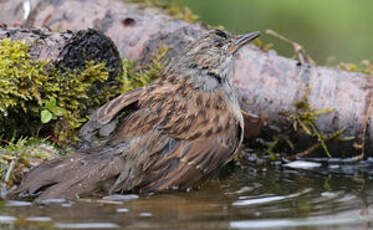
<point>267,198</point>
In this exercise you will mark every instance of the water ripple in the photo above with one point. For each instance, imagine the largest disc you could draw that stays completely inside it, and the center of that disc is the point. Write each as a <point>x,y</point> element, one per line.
<point>306,222</point>
<point>86,225</point>
<point>269,199</point>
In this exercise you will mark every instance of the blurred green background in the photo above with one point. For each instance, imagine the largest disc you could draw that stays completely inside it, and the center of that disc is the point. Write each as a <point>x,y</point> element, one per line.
<point>331,31</point>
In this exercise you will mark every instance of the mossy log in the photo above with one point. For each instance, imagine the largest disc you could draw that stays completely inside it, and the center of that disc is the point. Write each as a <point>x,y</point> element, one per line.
<point>68,49</point>
<point>47,76</point>
<point>269,84</point>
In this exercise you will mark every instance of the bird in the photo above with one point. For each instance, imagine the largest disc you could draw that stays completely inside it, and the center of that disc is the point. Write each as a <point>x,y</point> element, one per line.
<point>170,134</point>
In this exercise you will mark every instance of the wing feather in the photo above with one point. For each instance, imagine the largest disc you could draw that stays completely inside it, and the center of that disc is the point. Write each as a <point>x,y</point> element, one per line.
<point>104,121</point>
<point>176,136</point>
<point>199,139</point>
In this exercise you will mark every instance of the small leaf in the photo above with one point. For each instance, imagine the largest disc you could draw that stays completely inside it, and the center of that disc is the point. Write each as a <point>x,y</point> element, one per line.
<point>46,116</point>
<point>51,103</point>
<point>58,111</point>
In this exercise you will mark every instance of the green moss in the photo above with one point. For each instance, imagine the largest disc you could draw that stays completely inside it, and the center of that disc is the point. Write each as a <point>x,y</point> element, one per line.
<point>304,117</point>
<point>28,89</point>
<point>27,85</point>
<point>17,156</point>
<point>365,67</point>
<point>303,122</point>
<point>173,7</point>
<point>20,77</point>
<point>73,92</point>
<point>279,142</point>
<point>136,77</point>
<point>36,102</point>
<point>264,47</point>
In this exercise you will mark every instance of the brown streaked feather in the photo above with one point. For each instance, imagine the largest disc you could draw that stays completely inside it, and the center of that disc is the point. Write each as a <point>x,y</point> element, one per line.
<point>69,176</point>
<point>177,169</point>
<point>150,150</point>
<point>185,145</point>
<point>168,134</point>
<point>106,114</point>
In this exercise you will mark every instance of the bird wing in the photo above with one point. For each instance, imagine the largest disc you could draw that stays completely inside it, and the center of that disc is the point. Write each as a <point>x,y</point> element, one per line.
<point>69,177</point>
<point>104,121</point>
<point>180,138</point>
<point>182,163</point>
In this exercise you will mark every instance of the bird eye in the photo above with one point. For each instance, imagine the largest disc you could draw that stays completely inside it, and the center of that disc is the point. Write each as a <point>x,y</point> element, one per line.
<point>221,33</point>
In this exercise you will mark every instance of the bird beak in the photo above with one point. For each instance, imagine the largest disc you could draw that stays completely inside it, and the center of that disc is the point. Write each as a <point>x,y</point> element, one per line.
<point>243,40</point>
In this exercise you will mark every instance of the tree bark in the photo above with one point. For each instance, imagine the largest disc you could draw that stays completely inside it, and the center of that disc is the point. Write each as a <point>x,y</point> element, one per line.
<point>268,84</point>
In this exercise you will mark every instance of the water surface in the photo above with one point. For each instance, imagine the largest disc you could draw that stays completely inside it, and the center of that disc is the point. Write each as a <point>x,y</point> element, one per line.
<point>267,198</point>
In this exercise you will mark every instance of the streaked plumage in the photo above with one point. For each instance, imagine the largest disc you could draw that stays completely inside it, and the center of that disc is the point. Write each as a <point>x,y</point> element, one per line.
<point>169,134</point>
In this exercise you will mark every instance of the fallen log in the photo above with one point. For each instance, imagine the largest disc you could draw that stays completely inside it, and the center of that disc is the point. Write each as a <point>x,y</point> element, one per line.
<point>269,84</point>
<point>50,81</point>
<point>68,49</point>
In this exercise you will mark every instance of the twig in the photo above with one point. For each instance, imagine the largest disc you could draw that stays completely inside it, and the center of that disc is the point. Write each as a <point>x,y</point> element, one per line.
<point>298,49</point>
<point>321,140</point>
<point>6,157</point>
<point>363,139</point>
<point>9,172</point>
<point>315,146</point>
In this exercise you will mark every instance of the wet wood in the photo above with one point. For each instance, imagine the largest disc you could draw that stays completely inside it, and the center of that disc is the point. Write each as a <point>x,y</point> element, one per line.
<point>269,84</point>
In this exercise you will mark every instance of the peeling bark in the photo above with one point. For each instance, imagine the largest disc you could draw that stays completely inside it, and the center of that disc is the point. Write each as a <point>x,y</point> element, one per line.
<point>268,84</point>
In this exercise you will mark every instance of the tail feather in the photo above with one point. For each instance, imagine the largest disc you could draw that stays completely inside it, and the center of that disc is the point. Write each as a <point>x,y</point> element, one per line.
<point>70,176</point>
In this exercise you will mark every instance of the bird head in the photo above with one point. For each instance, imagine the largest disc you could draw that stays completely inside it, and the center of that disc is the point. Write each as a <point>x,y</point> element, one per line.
<point>210,58</point>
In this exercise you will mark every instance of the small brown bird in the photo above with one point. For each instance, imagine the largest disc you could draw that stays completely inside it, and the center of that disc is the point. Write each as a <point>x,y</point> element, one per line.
<point>167,135</point>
